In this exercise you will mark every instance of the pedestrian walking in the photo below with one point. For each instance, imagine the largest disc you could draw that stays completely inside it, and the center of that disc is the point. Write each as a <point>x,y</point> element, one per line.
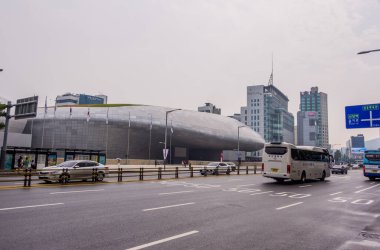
<point>26,162</point>
<point>20,163</point>
<point>33,165</point>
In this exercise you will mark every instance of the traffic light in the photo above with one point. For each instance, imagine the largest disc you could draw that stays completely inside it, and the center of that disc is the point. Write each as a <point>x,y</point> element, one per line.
<point>3,113</point>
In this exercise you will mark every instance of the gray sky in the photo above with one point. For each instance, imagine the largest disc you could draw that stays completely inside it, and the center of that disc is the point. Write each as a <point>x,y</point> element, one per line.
<point>183,53</point>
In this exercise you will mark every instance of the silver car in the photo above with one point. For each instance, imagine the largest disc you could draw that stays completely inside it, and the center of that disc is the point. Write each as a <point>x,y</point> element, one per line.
<point>74,170</point>
<point>216,168</point>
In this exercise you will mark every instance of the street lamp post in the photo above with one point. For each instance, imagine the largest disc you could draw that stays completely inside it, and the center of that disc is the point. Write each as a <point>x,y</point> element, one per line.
<point>238,148</point>
<point>367,51</point>
<point>166,133</point>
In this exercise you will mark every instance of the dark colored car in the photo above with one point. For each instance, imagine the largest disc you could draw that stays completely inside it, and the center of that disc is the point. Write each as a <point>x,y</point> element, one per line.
<point>339,169</point>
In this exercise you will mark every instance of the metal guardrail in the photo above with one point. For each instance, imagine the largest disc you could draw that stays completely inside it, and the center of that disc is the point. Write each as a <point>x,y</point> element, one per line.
<point>123,174</point>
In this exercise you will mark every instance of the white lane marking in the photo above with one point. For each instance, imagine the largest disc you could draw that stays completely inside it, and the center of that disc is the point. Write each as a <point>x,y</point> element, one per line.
<point>246,185</point>
<point>366,188</point>
<point>291,205</point>
<point>336,193</point>
<point>81,191</point>
<point>262,193</point>
<point>305,186</point>
<point>163,240</point>
<point>235,180</point>
<point>372,183</point>
<point>180,192</point>
<point>43,205</point>
<point>359,186</point>
<point>178,205</point>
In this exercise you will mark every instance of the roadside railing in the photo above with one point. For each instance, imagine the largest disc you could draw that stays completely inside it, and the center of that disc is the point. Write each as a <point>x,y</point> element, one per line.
<point>66,176</point>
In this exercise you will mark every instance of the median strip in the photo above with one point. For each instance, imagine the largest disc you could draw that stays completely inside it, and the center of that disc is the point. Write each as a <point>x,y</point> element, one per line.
<point>163,240</point>
<point>291,205</point>
<point>43,205</point>
<point>178,205</point>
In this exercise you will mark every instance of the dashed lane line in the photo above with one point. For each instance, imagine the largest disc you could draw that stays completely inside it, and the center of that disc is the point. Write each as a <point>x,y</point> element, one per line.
<point>43,205</point>
<point>81,191</point>
<point>305,186</point>
<point>336,193</point>
<point>239,186</point>
<point>163,240</point>
<point>180,192</point>
<point>266,192</point>
<point>291,205</point>
<point>359,191</point>
<point>177,205</point>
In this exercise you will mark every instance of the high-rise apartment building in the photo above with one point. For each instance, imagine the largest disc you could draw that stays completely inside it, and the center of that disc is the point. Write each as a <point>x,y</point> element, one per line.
<point>314,101</point>
<point>267,113</point>
<point>307,129</point>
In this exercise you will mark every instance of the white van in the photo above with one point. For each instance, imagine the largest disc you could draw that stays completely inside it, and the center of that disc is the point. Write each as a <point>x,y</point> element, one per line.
<point>283,161</point>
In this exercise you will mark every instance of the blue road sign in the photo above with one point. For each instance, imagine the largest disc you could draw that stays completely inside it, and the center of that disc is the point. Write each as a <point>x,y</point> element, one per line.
<point>363,116</point>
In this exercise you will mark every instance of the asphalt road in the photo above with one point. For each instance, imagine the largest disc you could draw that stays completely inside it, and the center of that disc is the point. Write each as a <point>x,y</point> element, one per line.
<point>219,212</point>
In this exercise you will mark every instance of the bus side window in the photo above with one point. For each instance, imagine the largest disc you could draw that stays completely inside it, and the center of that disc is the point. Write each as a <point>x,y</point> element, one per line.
<point>295,154</point>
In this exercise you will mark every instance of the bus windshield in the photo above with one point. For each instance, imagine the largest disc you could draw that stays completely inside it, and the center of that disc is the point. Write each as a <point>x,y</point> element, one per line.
<point>373,156</point>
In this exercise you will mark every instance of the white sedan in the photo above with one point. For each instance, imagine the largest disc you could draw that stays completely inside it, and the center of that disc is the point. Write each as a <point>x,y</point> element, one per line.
<point>216,168</point>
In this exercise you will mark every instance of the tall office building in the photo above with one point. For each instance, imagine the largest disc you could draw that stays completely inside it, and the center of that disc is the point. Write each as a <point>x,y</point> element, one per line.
<point>267,113</point>
<point>356,147</point>
<point>317,102</point>
<point>307,128</point>
<point>209,108</point>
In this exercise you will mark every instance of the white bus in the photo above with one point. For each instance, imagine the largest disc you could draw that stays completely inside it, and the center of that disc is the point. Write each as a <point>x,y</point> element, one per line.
<point>283,161</point>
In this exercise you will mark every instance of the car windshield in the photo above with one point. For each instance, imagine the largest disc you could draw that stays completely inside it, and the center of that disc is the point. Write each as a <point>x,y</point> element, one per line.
<point>67,164</point>
<point>213,164</point>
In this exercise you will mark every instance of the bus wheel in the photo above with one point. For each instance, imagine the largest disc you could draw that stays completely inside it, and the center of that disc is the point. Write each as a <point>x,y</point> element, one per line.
<point>303,177</point>
<point>323,176</point>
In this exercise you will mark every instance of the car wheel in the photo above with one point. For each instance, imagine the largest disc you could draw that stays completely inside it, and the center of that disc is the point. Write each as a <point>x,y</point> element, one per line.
<point>100,177</point>
<point>216,172</point>
<point>47,181</point>
<point>64,178</point>
<point>228,171</point>
<point>279,180</point>
<point>371,178</point>
<point>303,177</point>
<point>323,176</point>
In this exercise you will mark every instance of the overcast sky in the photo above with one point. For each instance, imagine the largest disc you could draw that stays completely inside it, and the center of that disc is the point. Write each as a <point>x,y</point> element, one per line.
<point>184,53</point>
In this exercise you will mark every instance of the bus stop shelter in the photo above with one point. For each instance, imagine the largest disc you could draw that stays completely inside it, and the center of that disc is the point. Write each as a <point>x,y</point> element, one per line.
<point>83,154</point>
<point>41,156</point>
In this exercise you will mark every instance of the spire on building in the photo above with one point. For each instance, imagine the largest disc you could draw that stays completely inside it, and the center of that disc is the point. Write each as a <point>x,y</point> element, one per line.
<point>270,82</point>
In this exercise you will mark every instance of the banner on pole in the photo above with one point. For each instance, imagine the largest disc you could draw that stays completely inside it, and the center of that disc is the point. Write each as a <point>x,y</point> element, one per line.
<point>165,153</point>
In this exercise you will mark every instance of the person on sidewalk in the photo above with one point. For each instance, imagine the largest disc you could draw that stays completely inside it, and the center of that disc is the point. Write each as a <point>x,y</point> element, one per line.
<point>20,163</point>
<point>26,162</point>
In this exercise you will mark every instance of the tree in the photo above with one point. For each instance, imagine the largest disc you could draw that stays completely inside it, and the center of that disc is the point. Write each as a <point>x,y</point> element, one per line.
<point>3,113</point>
<point>337,156</point>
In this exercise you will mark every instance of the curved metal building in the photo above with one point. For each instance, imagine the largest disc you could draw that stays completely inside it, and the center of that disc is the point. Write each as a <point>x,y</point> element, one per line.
<point>138,132</point>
